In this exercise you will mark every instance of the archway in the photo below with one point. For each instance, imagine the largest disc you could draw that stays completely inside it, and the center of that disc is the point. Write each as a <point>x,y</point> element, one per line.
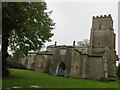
<point>61,69</point>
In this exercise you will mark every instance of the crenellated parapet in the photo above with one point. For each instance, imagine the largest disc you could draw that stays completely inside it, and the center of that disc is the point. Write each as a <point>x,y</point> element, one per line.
<point>102,22</point>
<point>102,16</point>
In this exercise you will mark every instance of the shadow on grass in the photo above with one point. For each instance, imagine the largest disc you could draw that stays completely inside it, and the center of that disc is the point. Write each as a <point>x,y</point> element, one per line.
<point>13,77</point>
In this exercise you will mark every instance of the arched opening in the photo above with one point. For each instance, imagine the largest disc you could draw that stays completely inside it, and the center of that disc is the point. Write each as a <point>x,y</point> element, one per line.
<point>61,70</point>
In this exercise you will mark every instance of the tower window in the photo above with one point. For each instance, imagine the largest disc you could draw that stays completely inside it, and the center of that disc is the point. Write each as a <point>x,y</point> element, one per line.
<point>98,43</point>
<point>76,67</point>
<point>100,26</point>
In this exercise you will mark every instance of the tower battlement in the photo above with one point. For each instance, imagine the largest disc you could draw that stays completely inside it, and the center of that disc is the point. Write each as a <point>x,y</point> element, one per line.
<point>103,16</point>
<point>102,22</point>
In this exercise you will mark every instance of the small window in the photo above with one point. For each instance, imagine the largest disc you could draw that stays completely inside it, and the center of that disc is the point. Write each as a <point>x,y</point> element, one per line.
<point>100,26</point>
<point>76,67</point>
<point>98,43</point>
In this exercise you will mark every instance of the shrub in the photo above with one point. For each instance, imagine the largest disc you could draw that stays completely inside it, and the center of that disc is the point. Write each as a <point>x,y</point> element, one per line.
<point>118,72</point>
<point>15,64</point>
<point>104,80</point>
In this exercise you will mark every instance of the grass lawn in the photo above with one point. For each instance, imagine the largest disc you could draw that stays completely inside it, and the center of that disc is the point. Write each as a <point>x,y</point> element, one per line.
<point>25,78</point>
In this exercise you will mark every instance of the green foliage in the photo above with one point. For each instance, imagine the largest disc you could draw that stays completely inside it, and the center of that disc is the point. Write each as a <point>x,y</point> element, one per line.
<point>104,79</point>
<point>17,65</point>
<point>28,25</point>
<point>84,43</point>
<point>25,78</point>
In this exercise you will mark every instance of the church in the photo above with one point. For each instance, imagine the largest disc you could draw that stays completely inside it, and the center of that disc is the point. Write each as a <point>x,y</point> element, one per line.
<point>96,61</point>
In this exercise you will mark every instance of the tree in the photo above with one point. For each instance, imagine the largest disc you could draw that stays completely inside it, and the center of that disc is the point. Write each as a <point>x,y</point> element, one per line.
<point>25,26</point>
<point>85,42</point>
<point>118,72</point>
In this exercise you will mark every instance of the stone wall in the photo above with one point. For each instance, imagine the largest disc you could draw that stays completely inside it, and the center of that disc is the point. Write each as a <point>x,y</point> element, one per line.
<point>42,63</point>
<point>95,68</point>
<point>111,58</point>
<point>82,49</point>
<point>28,61</point>
<point>75,64</point>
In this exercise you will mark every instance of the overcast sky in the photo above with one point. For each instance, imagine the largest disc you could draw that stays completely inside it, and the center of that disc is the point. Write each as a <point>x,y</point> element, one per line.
<point>74,19</point>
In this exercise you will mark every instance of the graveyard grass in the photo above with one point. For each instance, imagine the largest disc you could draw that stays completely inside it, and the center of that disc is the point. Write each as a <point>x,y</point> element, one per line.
<point>25,78</point>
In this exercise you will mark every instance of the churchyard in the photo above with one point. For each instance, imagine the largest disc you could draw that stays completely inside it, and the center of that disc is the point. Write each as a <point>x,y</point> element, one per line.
<point>30,79</point>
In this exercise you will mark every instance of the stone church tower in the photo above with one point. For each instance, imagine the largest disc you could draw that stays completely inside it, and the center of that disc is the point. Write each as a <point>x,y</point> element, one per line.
<point>102,34</point>
<point>103,42</point>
